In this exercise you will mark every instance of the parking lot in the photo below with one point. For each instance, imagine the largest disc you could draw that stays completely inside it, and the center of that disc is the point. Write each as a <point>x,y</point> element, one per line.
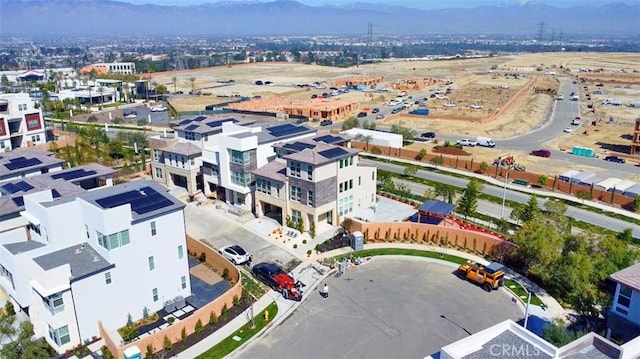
<point>211,225</point>
<point>389,308</point>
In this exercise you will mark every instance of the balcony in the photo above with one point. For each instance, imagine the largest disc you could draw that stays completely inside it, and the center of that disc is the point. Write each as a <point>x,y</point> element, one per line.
<point>4,106</point>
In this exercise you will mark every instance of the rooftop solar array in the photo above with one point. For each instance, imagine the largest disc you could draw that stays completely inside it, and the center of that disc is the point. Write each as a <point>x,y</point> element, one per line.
<point>333,152</point>
<point>184,122</point>
<point>19,201</point>
<point>329,139</point>
<point>298,146</point>
<point>17,187</point>
<point>70,175</point>
<point>142,201</point>
<point>219,123</point>
<point>191,127</point>
<point>21,162</point>
<point>285,130</point>
<point>199,118</point>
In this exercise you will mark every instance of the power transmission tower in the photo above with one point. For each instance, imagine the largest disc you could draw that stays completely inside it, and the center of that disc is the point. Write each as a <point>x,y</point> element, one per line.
<point>553,40</point>
<point>560,40</point>
<point>541,26</point>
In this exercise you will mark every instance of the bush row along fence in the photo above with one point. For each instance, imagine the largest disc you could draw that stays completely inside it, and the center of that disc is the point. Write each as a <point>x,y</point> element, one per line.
<point>461,163</point>
<point>174,331</point>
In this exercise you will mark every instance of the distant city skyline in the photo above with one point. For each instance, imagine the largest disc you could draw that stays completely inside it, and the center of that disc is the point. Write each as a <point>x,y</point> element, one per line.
<point>421,4</point>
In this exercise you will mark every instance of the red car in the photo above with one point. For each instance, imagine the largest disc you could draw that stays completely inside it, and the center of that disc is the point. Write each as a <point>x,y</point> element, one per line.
<point>541,153</point>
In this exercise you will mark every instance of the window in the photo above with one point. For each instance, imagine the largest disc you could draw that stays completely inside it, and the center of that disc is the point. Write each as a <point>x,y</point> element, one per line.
<point>239,158</point>
<point>351,161</point>
<point>350,184</point>
<point>115,240</point>
<point>296,216</point>
<point>310,198</point>
<point>263,185</point>
<point>107,278</point>
<point>191,136</point>
<point>152,264</point>
<point>240,178</point>
<point>54,303</point>
<point>345,162</point>
<point>341,188</point>
<point>295,193</point>
<point>345,205</point>
<point>154,294</point>
<point>183,282</point>
<point>60,336</point>
<point>309,172</point>
<point>156,155</point>
<point>180,252</point>
<point>624,300</point>
<point>294,169</point>
<point>192,161</point>
<point>154,231</point>
<point>4,272</point>
<point>359,181</point>
<point>86,229</point>
<point>2,144</point>
<point>206,138</point>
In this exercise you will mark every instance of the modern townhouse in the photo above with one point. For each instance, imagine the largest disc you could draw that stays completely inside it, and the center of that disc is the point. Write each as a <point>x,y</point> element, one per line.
<point>315,182</point>
<point>27,163</point>
<point>21,124</point>
<point>623,319</point>
<point>73,263</point>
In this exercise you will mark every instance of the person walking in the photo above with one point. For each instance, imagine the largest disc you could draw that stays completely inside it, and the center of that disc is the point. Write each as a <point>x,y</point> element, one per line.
<point>325,291</point>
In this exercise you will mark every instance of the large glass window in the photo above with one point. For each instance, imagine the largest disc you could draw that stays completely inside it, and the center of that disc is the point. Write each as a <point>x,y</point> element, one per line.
<point>263,185</point>
<point>115,240</point>
<point>60,336</point>
<point>54,303</point>
<point>180,252</point>
<point>183,282</point>
<point>345,205</point>
<point>296,216</point>
<point>241,179</point>
<point>624,300</point>
<point>239,158</point>
<point>309,172</point>
<point>294,169</point>
<point>154,294</point>
<point>154,230</point>
<point>152,263</point>
<point>310,198</point>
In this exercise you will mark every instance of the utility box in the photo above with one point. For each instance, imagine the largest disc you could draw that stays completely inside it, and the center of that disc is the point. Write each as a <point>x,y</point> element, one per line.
<point>357,241</point>
<point>132,352</point>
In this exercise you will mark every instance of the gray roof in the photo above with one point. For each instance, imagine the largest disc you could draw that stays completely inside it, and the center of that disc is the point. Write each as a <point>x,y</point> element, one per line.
<point>266,136</point>
<point>590,346</point>
<point>45,159</point>
<point>314,156</point>
<point>21,247</point>
<point>91,170</point>
<point>506,339</point>
<point>629,276</point>
<point>82,258</point>
<point>203,124</point>
<point>275,170</point>
<point>169,203</point>
<point>184,148</point>
<point>13,202</point>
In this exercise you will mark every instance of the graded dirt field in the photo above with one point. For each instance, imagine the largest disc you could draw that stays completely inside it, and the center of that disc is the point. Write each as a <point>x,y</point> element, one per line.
<point>505,86</point>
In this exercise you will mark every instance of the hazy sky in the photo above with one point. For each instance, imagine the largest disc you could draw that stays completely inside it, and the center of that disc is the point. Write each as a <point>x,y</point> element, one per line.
<point>424,4</point>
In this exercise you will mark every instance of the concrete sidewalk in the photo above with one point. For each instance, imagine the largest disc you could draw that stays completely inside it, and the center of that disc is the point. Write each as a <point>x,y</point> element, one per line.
<point>309,273</point>
<point>554,308</point>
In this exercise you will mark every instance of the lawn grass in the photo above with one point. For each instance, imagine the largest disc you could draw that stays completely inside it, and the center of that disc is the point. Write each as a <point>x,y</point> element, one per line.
<point>245,333</point>
<point>518,290</point>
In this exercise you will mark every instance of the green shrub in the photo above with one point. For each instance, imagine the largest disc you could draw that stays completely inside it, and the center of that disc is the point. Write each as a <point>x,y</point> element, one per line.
<point>166,343</point>
<point>225,274</point>
<point>236,300</point>
<point>183,335</point>
<point>149,352</point>
<point>224,311</point>
<point>213,318</point>
<point>199,328</point>
<point>203,257</point>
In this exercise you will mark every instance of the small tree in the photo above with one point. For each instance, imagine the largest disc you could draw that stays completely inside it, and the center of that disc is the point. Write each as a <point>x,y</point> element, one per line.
<point>166,343</point>
<point>149,353</point>
<point>106,353</point>
<point>312,230</point>
<point>636,203</point>
<point>236,300</point>
<point>224,311</point>
<point>484,166</point>
<point>437,161</point>
<point>198,328</point>
<point>213,318</point>
<point>183,334</point>
<point>411,170</point>
<point>584,195</point>
<point>421,154</point>
<point>543,180</point>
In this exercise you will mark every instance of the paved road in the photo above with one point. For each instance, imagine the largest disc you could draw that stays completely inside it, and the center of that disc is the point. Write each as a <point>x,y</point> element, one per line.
<point>389,308</point>
<point>573,212</point>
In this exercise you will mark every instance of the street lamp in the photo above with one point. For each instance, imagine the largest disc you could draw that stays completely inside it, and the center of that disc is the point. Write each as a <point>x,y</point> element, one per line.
<point>504,192</point>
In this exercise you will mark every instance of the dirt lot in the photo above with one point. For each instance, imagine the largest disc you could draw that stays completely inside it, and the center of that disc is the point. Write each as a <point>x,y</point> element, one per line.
<point>476,81</point>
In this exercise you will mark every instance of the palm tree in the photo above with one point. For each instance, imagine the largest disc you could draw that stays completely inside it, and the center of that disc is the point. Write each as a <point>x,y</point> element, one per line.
<point>155,85</point>
<point>90,97</point>
<point>174,81</point>
<point>101,92</point>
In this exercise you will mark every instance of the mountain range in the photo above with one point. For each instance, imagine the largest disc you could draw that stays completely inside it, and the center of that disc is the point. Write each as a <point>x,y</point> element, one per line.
<point>288,17</point>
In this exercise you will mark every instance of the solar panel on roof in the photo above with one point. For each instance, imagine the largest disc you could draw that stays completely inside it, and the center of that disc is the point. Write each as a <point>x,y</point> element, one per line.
<point>19,201</point>
<point>333,152</point>
<point>298,146</point>
<point>285,130</point>
<point>24,186</point>
<point>21,162</point>
<point>199,118</point>
<point>73,174</point>
<point>142,201</point>
<point>219,123</point>
<point>11,188</point>
<point>191,127</point>
<point>328,139</point>
<point>184,122</point>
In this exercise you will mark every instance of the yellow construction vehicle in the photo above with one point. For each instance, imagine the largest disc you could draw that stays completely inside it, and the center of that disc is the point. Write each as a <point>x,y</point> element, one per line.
<point>488,277</point>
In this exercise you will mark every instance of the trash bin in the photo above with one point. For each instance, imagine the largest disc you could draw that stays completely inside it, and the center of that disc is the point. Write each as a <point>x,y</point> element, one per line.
<point>357,241</point>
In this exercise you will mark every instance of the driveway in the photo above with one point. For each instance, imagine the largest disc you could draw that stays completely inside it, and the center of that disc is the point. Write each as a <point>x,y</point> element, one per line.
<point>389,308</point>
<point>211,225</point>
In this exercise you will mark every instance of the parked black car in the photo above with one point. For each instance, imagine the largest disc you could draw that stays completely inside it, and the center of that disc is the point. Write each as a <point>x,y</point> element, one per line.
<point>375,110</point>
<point>362,114</point>
<point>428,135</point>
<point>614,159</point>
<point>259,83</point>
<point>326,123</point>
<point>265,273</point>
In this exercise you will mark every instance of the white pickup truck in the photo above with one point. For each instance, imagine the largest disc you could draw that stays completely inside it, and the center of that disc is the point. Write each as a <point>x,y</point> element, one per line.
<point>466,142</point>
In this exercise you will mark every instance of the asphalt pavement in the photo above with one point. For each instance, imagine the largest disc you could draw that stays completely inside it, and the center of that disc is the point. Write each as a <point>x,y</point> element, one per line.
<point>519,197</point>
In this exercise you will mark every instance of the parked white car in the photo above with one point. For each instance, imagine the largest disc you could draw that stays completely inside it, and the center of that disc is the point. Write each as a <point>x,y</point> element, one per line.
<point>449,104</point>
<point>158,108</point>
<point>235,254</point>
<point>466,142</point>
<point>568,129</point>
